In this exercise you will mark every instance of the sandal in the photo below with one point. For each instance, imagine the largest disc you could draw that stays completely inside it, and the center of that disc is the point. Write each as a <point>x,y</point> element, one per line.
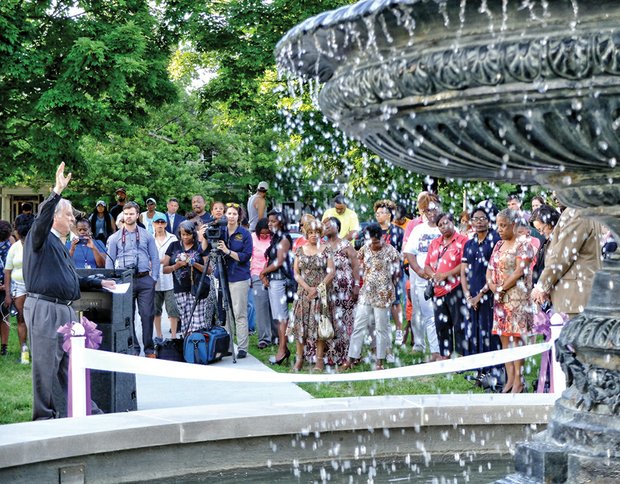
<point>348,365</point>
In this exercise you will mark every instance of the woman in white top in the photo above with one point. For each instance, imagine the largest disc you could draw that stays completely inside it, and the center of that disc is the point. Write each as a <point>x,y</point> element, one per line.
<point>14,279</point>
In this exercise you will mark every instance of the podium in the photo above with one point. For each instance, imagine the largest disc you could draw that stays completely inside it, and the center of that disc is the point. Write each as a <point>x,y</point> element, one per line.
<point>113,314</point>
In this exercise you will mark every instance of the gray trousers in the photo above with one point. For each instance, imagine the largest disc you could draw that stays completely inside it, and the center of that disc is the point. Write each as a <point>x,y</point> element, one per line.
<point>50,364</point>
<point>365,316</point>
<point>262,311</point>
<point>144,297</point>
<point>239,300</point>
<point>423,317</point>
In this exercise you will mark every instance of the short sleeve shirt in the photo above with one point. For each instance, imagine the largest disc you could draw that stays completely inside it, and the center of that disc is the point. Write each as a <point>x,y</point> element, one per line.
<point>420,240</point>
<point>444,258</point>
<point>185,276</point>
<point>348,220</point>
<point>378,288</point>
<point>476,255</point>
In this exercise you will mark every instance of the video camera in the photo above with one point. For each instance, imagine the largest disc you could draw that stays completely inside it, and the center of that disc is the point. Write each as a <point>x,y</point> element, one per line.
<point>213,232</point>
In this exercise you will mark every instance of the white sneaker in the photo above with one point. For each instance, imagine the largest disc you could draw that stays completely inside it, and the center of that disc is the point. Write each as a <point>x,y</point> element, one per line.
<point>390,358</point>
<point>398,340</point>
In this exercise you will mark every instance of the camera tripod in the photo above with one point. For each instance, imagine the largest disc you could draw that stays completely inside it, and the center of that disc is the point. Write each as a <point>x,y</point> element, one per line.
<point>222,277</point>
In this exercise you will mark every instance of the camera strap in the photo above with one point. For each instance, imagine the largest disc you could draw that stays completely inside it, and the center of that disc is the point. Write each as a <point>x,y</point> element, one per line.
<point>124,241</point>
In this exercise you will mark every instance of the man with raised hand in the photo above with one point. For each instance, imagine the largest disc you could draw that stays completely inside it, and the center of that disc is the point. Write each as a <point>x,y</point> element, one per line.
<point>52,284</point>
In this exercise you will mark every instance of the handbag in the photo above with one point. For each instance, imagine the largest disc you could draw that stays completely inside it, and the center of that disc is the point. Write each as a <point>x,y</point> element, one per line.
<point>429,290</point>
<point>326,329</point>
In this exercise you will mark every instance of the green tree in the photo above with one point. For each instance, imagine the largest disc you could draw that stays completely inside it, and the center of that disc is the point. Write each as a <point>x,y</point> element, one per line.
<point>71,68</point>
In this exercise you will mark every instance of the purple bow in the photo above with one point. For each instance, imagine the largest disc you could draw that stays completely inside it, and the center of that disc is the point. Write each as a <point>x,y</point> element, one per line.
<point>93,341</point>
<point>91,333</point>
<point>542,324</point>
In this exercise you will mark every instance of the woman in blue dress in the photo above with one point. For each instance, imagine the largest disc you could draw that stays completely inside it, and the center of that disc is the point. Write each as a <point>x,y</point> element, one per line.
<point>476,256</point>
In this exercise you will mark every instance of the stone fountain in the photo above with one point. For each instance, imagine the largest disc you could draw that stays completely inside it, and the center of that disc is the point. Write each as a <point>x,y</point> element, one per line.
<point>519,90</point>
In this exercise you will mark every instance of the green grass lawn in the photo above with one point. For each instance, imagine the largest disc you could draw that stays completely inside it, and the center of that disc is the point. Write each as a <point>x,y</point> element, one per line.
<point>16,383</point>
<point>435,384</point>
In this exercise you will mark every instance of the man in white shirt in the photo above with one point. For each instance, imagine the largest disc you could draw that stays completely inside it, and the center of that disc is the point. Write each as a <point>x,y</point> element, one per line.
<point>416,249</point>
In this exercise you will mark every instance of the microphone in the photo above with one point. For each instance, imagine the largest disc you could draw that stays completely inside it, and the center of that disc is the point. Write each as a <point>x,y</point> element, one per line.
<point>219,223</point>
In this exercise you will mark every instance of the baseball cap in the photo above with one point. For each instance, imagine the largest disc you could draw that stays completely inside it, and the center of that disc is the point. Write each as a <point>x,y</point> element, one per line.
<point>159,216</point>
<point>121,189</point>
<point>101,202</point>
<point>263,186</point>
<point>151,200</point>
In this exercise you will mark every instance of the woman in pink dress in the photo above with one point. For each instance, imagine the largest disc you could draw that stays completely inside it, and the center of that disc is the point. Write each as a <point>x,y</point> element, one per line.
<point>510,279</point>
<point>267,329</point>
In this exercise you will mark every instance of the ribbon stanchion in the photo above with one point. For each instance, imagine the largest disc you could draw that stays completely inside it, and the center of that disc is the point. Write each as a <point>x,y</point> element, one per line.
<point>79,391</point>
<point>76,338</point>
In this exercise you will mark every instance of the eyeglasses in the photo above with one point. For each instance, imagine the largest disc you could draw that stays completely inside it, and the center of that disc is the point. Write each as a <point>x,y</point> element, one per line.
<point>233,205</point>
<point>479,219</point>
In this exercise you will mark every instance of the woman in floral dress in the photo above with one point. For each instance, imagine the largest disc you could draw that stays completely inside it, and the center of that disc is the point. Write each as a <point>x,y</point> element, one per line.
<point>313,267</point>
<point>345,291</point>
<point>510,279</point>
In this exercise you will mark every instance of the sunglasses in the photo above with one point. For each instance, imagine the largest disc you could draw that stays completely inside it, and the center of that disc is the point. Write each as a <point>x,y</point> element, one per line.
<point>160,221</point>
<point>233,205</point>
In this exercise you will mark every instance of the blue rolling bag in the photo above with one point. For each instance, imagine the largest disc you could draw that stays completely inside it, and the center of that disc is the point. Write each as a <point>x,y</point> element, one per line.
<point>206,346</point>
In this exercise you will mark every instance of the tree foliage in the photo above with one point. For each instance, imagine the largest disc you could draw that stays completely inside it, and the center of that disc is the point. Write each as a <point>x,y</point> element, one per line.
<point>71,68</point>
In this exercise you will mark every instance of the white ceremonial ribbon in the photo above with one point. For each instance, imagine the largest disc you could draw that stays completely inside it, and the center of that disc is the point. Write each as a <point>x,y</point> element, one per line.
<point>104,360</point>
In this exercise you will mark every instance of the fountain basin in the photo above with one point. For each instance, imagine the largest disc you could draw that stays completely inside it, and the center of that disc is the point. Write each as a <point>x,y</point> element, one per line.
<point>143,445</point>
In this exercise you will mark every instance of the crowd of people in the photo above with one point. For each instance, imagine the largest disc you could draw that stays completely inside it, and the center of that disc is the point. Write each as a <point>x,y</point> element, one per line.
<point>448,287</point>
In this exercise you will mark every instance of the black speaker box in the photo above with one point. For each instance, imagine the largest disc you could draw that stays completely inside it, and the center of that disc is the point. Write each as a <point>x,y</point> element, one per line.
<point>113,392</point>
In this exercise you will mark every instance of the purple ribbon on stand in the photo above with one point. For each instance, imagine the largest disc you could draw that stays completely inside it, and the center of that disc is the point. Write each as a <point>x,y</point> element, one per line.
<point>93,341</point>
<point>542,325</point>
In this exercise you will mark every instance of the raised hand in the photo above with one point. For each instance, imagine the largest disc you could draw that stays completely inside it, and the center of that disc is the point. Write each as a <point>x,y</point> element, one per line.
<point>61,180</point>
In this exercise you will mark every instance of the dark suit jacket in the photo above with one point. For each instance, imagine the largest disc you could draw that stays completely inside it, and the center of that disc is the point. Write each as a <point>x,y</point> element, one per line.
<point>178,218</point>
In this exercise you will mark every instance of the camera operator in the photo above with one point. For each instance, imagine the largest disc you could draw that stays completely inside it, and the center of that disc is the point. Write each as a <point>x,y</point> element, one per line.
<point>132,247</point>
<point>237,249</point>
<point>86,252</point>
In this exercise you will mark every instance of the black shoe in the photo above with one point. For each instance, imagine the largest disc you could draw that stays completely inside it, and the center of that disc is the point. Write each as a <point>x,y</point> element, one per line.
<point>262,345</point>
<point>287,354</point>
<point>3,350</point>
<point>241,354</point>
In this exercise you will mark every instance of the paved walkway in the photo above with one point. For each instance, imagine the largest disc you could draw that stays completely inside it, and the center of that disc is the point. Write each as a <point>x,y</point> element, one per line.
<point>154,392</point>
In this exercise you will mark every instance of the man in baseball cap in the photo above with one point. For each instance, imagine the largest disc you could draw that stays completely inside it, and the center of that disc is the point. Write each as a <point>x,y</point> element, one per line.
<point>147,217</point>
<point>121,198</point>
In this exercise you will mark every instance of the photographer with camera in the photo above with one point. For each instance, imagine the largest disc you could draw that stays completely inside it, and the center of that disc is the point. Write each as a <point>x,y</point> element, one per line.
<point>236,245</point>
<point>86,252</point>
<point>132,247</point>
<point>186,260</point>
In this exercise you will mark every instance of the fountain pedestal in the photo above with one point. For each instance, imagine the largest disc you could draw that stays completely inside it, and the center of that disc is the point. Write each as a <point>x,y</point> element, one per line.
<point>522,91</point>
